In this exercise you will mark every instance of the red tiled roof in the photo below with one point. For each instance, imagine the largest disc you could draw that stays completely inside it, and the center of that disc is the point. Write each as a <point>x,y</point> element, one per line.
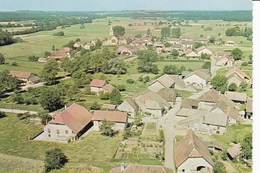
<point>113,116</point>
<point>76,117</point>
<point>97,83</point>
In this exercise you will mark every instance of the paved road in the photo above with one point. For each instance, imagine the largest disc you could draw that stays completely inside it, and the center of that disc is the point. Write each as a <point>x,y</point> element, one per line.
<point>17,111</point>
<point>214,68</point>
<point>168,122</point>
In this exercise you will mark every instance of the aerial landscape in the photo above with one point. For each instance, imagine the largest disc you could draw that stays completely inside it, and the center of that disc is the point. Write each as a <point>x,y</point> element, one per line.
<point>128,89</point>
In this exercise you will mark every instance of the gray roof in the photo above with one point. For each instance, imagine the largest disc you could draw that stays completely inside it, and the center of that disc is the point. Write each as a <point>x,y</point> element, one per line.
<point>202,73</point>
<point>236,96</point>
<point>168,94</point>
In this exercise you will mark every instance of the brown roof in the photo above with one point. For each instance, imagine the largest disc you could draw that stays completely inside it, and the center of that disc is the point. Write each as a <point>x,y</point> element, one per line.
<point>61,53</point>
<point>177,81</point>
<point>165,80</point>
<point>76,117</point>
<point>136,168</point>
<point>21,74</point>
<point>186,112</point>
<point>168,94</point>
<point>215,118</point>
<point>236,96</point>
<point>235,150</point>
<point>109,106</point>
<point>201,48</point>
<point>97,83</point>
<point>191,147</point>
<point>227,109</point>
<point>202,73</point>
<point>113,116</point>
<point>132,103</point>
<point>249,105</point>
<point>188,103</point>
<point>108,88</point>
<point>238,72</point>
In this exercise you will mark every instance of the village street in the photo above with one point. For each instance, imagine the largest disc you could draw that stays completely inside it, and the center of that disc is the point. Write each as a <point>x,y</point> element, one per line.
<point>214,68</point>
<point>17,111</point>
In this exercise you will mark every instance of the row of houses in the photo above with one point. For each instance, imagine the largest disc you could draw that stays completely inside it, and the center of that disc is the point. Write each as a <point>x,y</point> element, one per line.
<point>76,120</point>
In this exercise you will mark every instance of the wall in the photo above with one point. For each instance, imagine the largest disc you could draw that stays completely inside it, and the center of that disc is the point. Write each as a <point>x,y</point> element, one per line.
<point>126,107</point>
<point>62,136</point>
<point>195,79</point>
<point>191,164</point>
<point>156,87</point>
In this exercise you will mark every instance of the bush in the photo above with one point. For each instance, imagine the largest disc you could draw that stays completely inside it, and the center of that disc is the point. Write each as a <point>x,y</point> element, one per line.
<point>54,159</point>
<point>95,106</point>
<point>232,87</point>
<point>121,87</point>
<point>14,64</point>
<point>244,64</point>
<point>2,59</point>
<point>2,114</point>
<point>61,33</point>
<point>104,96</point>
<point>33,58</point>
<point>146,79</point>
<point>106,128</point>
<point>130,81</point>
<point>23,116</point>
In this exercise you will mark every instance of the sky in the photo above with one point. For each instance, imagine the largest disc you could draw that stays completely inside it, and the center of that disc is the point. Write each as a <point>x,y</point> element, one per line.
<point>118,5</point>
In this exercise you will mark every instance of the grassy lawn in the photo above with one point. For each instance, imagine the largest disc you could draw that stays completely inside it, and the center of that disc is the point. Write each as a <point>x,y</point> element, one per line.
<point>92,150</point>
<point>20,106</point>
<point>234,131</point>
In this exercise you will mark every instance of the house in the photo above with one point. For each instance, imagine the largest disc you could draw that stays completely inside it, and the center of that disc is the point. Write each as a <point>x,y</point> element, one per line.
<point>77,44</point>
<point>108,88</point>
<point>225,61</point>
<point>190,103</point>
<point>198,78</point>
<point>61,53</point>
<point>119,118</point>
<point>97,85</point>
<point>164,81</point>
<point>203,40</point>
<point>237,76</point>
<point>87,46</point>
<point>192,155</point>
<point>151,103</point>
<point>168,94</point>
<point>187,44</point>
<point>177,47</point>
<point>234,151</point>
<point>125,40</point>
<point>236,97</point>
<point>203,50</point>
<point>129,106</point>
<point>191,54</point>
<point>108,107</point>
<point>123,50</point>
<point>185,38</point>
<point>138,168</point>
<point>68,125</point>
<point>230,43</point>
<point>174,41</point>
<point>27,77</point>
<point>216,146</point>
<point>249,108</point>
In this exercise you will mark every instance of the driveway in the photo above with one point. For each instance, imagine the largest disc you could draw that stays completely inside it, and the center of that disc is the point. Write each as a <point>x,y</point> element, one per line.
<point>17,111</point>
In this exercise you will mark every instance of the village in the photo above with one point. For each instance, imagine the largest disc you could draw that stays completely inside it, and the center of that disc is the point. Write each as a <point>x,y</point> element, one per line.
<point>169,103</point>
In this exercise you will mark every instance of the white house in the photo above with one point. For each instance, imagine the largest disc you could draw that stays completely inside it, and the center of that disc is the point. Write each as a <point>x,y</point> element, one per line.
<point>203,50</point>
<point>129,106</point>
<point>198,78</point>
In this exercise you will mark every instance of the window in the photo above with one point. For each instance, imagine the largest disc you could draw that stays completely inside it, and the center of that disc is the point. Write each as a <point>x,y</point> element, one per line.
<point>66,132</point>
<point>49,130</point>
<point>183,170</point>
<point>49,135</point>
<point>58,131</point>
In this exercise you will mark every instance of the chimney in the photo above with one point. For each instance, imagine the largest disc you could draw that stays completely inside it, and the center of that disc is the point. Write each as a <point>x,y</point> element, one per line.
<point>122,167</point>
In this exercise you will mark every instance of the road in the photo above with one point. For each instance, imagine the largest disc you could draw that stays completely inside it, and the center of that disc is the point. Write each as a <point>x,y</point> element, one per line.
<point>214,68</point>
<point>168,122</point>
<point>17,111</point>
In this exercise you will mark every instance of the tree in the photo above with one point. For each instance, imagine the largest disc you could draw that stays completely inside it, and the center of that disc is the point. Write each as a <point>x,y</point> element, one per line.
<point>2,58</point>
<point>51,99</point>
<point>247,146</point>
<point>2,114</point>
<point>45,117</point>
<point>147,57</point>
<point>212,39</point>
<point>232,87</point>
<point>205,56</point>
<point>237,53</point>
<point>219,167</point>
<point>206,65</point>
<point>106,128</point>
<point>54,159</point>
<point>115,96</point>
<point>121,87</point>
<point>49,71</point>
<point>118,31</point>
<point>175,53</point>
<point>176,32</point>
<point>148,32</point>
<point>166,32</point>
<point>127,133</point>
<point>243,86</point>
<point>171,69</point>
<point>219,82</point>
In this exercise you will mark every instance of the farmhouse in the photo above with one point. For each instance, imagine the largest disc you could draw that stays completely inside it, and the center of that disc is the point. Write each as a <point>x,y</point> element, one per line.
<point>203,40</point>
<point>230,43</point>
<point>187,44</point>
<point>123,50</point>
<point>61,53</point>
<point>198,78</point>
<point>191,54</point>
<point>249,108</point>
<point>192,155</point>
<point>168,94</point>
<point>203,50</point>
<point>97,86</point>
<point>237,76</point>
<point>132,168</point>
<point>224,59</point>
<point>152,103</point>
<point>129,106</point>
<point>164,81</point>
<point>119,118</point>
<point>125,40</point>
<point>27,77</point>
<point>236,97</point>
<point>108,107</point>
<point>190,103</point>
<point>69,125</point>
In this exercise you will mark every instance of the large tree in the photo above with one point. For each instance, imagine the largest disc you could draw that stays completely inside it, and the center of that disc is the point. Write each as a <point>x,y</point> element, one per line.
<point>7,82</point>
<point>247,146</point>
<point>147,57</point>
<point>51,99</point>
<point>166,32</point>
<point>118,31</point>
<point>115,97</point>
<point>176,32</point>
<point>49,71</point>
<point>106,128</point>
<point>54,159</point>
<point>220,83</point>
<point>237,53</point>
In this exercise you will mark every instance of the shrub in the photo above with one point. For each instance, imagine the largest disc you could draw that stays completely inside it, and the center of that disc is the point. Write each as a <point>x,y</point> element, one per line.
<point>54,159</point>
<point>14,64</point>
<point>130,81</point>
<point>61,33</point>
<point>2,114</point>
<point>95,106</point>
<point>33,58</point>
<point>232,87</point>
<point>121,87</point>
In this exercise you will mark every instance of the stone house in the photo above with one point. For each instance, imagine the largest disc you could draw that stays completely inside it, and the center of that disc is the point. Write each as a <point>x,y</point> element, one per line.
<point>191,54</point>
<point>138,168</point>
<point>236,97</point>
<point>129,106</point>
<point>26,77</point>
<point>199,78</point>
<point>224,59</point>
<point>119,118</point>
<point>164,81</point>
<point>68,125</point>
<point>249,108</point>
<point>203,50</point>
<point>98,86</point>
<point>123,50</point>
<point>237,76</point>
<point>192,155</point>
<point>61,53</point>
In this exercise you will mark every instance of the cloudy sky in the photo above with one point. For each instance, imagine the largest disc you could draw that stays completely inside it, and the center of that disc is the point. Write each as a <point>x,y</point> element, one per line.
<point>115,5</point>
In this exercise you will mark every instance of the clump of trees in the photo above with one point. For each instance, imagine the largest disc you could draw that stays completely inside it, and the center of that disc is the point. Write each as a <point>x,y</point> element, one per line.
<point>118,31</point>
<point>61,33</point>
<point>49,71</point>
<point>106,128</point>
<point>147,57</point>
<point>7,82</point>
<point>166,32</point>
<point>232,87</point>
<point>220,83</point>
<point>173,69</point>
<point>206,65</point>
<point>54,159</point>
<point>33,58</point>
<point>6,38</point>
<point>115,97</point>
<point>237,54</point>
<point>176,32</point>
<point>237,31</point>
<point>2,59</point>
<point>2,114</point>
<point>247,146</point>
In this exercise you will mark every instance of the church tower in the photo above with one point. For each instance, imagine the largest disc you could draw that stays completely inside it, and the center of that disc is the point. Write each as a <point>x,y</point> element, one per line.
<point>111,33</point>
